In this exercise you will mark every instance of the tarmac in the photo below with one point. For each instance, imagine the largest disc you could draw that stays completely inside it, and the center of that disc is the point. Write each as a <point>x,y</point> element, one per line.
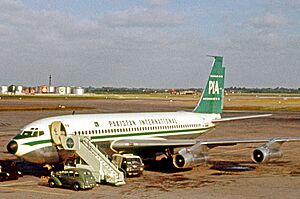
<point>229,173</point>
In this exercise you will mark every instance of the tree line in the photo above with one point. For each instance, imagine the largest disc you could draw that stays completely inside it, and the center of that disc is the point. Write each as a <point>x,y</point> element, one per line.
<point>125,90</point>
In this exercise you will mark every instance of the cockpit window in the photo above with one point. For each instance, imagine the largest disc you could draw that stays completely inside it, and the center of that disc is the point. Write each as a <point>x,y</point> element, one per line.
<point>29,133</point>
<point>35,134</point>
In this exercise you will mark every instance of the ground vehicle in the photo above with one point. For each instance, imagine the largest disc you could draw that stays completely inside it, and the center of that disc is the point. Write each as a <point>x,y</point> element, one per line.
<point>76,178</point>
<point>9,171</point>
<point>131,164</point>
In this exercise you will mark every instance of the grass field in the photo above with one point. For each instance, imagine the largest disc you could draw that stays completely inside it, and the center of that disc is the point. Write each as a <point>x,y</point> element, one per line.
<point>255,102</point>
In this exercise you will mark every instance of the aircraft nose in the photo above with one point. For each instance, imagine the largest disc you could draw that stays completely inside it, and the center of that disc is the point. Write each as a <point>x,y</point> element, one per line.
<point>12,147</point>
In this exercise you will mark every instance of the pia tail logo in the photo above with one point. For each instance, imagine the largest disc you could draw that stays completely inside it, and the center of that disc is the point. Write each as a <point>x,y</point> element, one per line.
<point>213,87</point>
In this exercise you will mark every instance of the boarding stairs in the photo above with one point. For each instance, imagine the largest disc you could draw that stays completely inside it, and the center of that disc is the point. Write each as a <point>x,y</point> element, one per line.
<point>99,163</point>
<point>96,161</point>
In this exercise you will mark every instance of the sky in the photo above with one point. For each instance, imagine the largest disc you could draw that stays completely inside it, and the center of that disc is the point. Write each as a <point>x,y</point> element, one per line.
<point>149,43</point>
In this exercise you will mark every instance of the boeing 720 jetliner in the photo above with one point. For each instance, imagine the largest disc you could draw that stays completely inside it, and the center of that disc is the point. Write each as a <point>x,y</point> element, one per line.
<point>53,140</point>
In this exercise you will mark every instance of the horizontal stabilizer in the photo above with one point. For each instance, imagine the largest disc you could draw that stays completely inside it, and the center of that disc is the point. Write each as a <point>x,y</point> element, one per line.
<point>240,118</point>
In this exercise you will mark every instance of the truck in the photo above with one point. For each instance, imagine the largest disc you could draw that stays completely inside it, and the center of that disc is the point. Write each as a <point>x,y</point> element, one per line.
<point>131,165</point>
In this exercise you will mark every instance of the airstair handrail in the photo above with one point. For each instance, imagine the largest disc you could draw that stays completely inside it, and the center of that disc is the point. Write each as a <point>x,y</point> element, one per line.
<point>87,142</point>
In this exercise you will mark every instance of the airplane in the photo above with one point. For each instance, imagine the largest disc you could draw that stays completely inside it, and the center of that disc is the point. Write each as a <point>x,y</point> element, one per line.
<point>173,134</point>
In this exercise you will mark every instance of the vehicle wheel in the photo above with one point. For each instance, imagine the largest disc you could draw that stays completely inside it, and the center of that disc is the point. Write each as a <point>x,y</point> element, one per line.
<point>76,186</point>
<point>20,174</point>
<point>51,183</point>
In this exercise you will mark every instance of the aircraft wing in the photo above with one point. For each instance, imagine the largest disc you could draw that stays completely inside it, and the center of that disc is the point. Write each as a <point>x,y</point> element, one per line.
<point>160,144</point>
<point>150,143</point>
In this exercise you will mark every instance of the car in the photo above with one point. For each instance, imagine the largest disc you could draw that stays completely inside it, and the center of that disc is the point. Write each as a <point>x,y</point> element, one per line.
<point>76,178</point>
<point>9,170</point>
<point>131,165</point>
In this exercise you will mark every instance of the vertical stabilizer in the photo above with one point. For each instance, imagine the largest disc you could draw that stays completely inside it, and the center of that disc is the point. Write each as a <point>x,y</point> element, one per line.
<point>212,97</point>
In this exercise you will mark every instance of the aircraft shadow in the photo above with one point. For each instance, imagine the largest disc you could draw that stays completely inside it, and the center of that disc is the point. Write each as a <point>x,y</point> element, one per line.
<point>34,169</point>
<point>229,166</point>
<point>164,166</point>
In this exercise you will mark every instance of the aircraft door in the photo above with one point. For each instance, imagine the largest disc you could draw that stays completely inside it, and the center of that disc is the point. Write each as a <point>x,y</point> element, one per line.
<point>57,130</point>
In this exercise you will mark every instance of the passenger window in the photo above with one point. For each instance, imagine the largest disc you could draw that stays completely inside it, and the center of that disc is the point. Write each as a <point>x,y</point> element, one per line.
<point>41,133</point>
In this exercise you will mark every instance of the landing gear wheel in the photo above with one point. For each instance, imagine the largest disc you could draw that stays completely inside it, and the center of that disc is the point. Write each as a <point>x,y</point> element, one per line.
<point>76,186</point>
<point>51,183</point>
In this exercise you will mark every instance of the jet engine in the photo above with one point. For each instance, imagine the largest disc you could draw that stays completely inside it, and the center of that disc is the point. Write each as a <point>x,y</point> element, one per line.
<point>190,157</point>
<point>266,152</point>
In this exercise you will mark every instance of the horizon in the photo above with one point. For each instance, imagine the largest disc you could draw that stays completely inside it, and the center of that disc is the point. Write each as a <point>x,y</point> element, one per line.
<point>150,88</point>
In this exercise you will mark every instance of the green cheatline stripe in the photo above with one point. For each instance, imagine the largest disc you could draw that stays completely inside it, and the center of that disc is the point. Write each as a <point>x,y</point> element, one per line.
<point>147,133</point>
<point>38,142</point>
<point>123,135</point>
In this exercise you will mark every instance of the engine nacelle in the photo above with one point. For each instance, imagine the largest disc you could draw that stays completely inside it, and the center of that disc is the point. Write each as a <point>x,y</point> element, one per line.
<point>187,158</point>
<point>264,154</point>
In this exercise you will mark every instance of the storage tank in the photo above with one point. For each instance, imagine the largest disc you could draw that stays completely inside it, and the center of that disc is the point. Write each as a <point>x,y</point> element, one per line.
<point>12,89</point>
<point>61,90</point>
<point>43,89</point>
<point>19,90</point>
<point>32,90</point>
<point>51,89</point>
<point>68,90</point>
<point>4,89</point>
<point>78,91</point>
